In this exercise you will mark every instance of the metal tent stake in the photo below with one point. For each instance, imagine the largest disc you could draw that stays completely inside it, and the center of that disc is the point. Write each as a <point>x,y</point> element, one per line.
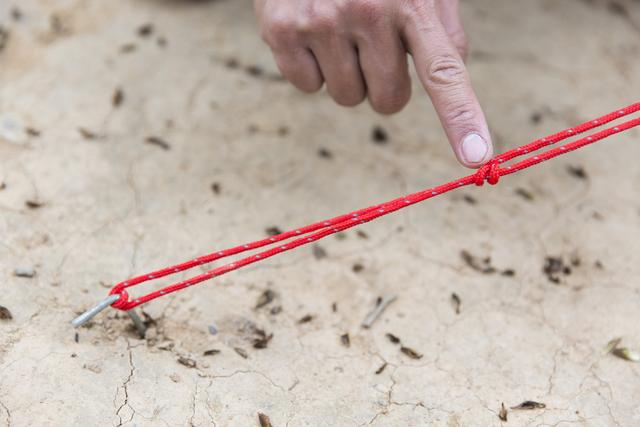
<point>93,311</point>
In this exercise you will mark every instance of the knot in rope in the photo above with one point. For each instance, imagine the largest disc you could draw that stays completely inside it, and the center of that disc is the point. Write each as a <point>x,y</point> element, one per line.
<point>488,172</point>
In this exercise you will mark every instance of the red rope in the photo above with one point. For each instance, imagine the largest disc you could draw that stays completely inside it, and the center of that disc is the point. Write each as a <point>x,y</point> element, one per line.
<point>490,172</point>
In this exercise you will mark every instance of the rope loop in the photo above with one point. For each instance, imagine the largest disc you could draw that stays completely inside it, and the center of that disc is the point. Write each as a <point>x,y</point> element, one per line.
<point>123,301</point>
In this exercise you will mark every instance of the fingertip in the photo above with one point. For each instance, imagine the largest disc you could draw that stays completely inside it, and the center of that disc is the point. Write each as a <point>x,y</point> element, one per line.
<point>474,150</point>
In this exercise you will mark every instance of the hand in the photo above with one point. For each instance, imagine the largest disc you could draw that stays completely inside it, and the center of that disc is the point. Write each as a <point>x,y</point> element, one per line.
<point>359,49</point>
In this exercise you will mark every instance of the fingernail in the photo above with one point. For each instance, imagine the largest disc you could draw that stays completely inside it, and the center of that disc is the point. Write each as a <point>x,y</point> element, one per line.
<point>474,148</point>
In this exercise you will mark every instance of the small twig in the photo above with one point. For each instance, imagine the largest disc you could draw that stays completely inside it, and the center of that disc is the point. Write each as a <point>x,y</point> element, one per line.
<point>378,309</point>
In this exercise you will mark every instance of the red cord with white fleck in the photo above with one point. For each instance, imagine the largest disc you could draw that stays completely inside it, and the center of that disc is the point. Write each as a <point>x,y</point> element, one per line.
<point>490,172</point>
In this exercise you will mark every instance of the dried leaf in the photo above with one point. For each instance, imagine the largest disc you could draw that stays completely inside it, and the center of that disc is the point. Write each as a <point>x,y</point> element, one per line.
<point>325,153</point>
<point>456,302</point>
<point>275,310</point>
<point>265,298</point>
<point>262,341</point>
<point>306,319</point>
<point>264,420</point>
<point>145,30</point>
<point>525,194</point>
<point>612,345</point>
<point>273,231</point>
<point>379,135</point>
<point>117,98</point>
<point>5,314</point>
<point>626,354</point>
<point>411,352</point>
<point>577,171</point>
<point>319,252</point>
<point>33,132</point>
<point>529,404</point>
<point>503,413</point>
<point>87,134</point>
<point>154,140</point>
<point>186,361</point>
<point>357,267</point>
<point>394,339</point>
<point>216,188</point>
<point>254,70</point>
<point>33,204</point>
<point>241,352</point>
<point>345,340</point>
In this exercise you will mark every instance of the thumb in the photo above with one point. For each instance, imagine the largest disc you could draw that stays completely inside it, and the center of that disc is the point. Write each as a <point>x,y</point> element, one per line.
<point>445,78</point>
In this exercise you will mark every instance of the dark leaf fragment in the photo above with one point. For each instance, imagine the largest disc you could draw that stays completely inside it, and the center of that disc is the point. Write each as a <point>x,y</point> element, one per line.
<point>241,352</point>
<point>529,405</point>
<point>186,361</point>
<point>394,339</point>
<point>264,420</point>
<point>154,140</point>
<point>345,340</point>
<point>319,252</point>
<point>503,413</point>
<point>411,352</point>
<point>273,231</point>
<point>118,97</point>
<point>577,171</point>
<point>5,314</point>
<point>145,30</point>
<point>265,298</point>
<point>456,302</point>
<point>87,134</point>
<point>306,319</point>
<point>379,135</point>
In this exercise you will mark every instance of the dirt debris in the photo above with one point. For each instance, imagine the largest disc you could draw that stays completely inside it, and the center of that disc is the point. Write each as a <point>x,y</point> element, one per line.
<point>483,265</point>
<point>556,268</point>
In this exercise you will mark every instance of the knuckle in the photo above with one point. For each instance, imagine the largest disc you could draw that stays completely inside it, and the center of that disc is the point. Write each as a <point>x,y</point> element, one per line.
<point>348,99</point>
<point>370,11</point>
<point>390,102</point>
<point>321,18</point>
<point>446,70</point>
<point>278,28</point>
<point>459,112</point>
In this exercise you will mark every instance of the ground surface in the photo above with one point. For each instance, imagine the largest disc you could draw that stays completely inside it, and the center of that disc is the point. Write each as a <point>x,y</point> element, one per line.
<point>86,209</point>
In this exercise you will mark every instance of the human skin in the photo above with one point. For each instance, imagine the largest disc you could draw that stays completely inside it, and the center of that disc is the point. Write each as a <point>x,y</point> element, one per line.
<point>358,48</point>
